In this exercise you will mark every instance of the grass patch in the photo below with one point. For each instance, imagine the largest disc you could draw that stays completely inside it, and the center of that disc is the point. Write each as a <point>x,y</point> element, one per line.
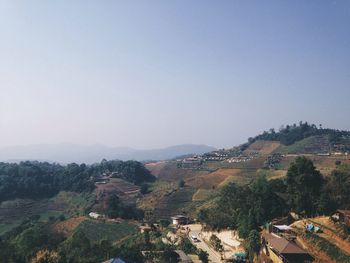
<point>45,217</point>
<point>7,227</point>
<point>203,194</point>
<point>273,174</point>
<point>97,231</point>
<point>74,204</point>
<point>312,144</point>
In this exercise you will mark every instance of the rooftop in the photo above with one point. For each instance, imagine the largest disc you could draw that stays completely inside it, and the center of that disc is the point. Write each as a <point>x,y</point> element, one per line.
<point>179,217</point>
<point>282,227</point>
<point>282,245</point>
<point>345,212</point>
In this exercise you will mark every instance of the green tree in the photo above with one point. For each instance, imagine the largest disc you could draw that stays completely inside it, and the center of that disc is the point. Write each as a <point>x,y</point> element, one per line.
<point>203,256</point>
<point>338,187</point>
<point>216,243</point>
<point>105,247</point>
<point>304,184</point>
<point>169,256</point>
<point>252,244</point>
<point>181,183</point>
<point>188,247</point>
<point>164,222</point>
<point>114,206</point>
<point>144,189</point>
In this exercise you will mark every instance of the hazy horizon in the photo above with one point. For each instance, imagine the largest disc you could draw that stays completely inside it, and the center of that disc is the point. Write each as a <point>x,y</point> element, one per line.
<point>149,75</point>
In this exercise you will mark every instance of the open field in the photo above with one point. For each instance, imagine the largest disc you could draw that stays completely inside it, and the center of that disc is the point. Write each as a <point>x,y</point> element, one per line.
<point>65,203</point>
<point>262,147</point>
<point>311,145</point>
<point>203,194</point>
<point>67,227</point>
<point>19,209</point>
<point>156,167</point>
<point>116,186</point>
<point>73,204</point>
<point>168,201</point>
<point>211,180</point>
<point>7,227</point>
<point>272,174</point>
<point>126,191</point>
<point>97,231</point>
<point>170,171</point>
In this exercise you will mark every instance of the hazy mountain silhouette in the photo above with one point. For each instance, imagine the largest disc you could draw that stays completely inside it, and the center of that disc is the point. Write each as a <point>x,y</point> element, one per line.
<point>66,153</point>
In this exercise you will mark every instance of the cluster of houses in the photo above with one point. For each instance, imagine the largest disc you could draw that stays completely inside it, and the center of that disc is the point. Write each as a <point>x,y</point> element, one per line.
<point>103,178</point>
<point>191,162</point>
<point>240,159</point>
<point>273,160</point>
<point>197,160</point>
<point>215,156</point>
<point>231,155</point>
<point>243,157</point>
<point>279,244</point>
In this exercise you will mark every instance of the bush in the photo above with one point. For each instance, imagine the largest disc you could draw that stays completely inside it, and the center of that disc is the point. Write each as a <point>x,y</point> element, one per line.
<point>203,256</point>
<point>216,243</point>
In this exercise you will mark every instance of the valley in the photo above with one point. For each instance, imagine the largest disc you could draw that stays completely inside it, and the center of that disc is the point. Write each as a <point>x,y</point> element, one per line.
<point>119,207</point>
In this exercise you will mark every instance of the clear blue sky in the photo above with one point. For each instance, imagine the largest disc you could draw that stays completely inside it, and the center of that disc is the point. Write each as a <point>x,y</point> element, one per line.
<point>149,74</point>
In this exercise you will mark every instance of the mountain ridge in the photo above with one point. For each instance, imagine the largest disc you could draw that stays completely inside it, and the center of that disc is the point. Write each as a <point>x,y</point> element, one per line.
<point>68,152</point>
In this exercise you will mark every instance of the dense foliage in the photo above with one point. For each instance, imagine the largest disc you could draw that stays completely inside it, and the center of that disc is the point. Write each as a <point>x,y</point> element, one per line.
<point>304,185</point>
<point>118,209</point>
<point>37,180</point>
<point>37,242</point>
<point>42,179</point>
<point>132,171</point>
<point>292,133</point>
<point>304,191</point>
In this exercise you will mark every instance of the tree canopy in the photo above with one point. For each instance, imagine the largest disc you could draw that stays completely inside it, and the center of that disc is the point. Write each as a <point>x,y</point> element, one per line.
<point>43,179</point>
<point>290,134</point>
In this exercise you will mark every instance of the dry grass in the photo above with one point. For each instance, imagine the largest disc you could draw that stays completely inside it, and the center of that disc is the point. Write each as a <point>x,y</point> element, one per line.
<point>156,167</point>
<point>276,174</point>
<point>202,195</point>
<point>169,171</point>
<point>263,147</point>
<point>211,180</point>
<point>67,227</point>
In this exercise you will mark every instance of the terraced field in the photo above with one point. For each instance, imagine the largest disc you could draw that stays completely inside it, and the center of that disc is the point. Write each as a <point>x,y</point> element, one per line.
<point>203,195</point>
<point>263,147</point>
<point>69,204</point>
<point>310,145</point>
<point>114,232</point>
<point>18,209</point>
<point>126,191</point>
<point>170,171</point>
<point>169,201</point>
<point>67,227</point>
<point>211,180</point>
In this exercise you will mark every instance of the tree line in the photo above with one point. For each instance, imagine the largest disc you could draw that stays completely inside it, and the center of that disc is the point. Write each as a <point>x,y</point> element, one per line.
<point>43,179</point>
<point>290,134</point>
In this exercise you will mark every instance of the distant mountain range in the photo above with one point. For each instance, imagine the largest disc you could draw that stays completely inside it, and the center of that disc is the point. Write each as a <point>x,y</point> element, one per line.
<point>67,153</point>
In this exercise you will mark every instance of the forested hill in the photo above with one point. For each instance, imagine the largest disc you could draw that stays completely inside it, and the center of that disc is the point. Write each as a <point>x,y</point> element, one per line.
<point>290,134</point>
<point>42,179</point>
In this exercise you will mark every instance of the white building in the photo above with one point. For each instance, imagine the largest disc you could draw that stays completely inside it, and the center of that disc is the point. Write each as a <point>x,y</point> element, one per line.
<point>95,215</point>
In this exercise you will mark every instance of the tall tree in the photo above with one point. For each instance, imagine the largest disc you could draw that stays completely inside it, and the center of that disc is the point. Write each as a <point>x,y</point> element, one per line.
<point>304,184</point>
